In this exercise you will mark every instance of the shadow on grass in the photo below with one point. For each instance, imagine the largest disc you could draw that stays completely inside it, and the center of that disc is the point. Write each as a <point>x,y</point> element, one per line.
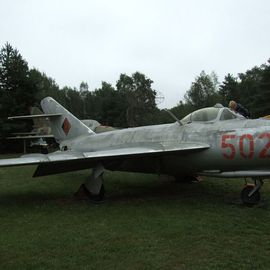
<point>114,193</point>
<point>138,192</point>
<point>171,191</point>
<point>28,198</point>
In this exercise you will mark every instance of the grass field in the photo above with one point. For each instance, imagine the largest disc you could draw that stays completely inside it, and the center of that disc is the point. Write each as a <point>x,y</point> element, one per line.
<point>145,223</point>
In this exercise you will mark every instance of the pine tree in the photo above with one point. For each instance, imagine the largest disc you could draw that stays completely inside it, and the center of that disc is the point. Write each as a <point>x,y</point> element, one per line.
<point>17,92</point>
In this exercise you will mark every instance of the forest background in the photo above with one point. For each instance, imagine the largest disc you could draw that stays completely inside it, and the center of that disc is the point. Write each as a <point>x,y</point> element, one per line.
<point>132,102</point>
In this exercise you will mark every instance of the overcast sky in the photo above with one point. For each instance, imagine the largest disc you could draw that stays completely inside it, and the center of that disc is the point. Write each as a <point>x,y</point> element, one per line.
<point>169,41</point>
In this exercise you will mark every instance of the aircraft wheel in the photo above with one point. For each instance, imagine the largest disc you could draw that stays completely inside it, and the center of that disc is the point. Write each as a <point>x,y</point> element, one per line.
<point>250,200</point>
<point>83,193</point>
<point>99,197</point>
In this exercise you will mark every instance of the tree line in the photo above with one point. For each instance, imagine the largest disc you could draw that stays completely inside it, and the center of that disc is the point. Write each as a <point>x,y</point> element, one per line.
<point>132,102</point>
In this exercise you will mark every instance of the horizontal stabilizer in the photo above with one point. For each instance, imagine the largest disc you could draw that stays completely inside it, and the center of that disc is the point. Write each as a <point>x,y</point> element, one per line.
<point>30,137</point>
<point>50,115</point>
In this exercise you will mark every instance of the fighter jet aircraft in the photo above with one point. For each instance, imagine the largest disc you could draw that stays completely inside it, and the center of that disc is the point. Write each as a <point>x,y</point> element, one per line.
<point>212,141</point>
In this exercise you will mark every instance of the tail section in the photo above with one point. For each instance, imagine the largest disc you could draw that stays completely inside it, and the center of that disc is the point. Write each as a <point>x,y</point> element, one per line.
<point>64,126</point>
<point>41,125</point>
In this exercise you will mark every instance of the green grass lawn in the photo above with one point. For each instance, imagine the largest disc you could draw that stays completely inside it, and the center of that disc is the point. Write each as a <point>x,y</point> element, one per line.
<point>145,223</point>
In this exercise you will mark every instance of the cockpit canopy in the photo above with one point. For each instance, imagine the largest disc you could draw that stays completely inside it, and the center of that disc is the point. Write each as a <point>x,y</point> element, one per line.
<point>211,114</point>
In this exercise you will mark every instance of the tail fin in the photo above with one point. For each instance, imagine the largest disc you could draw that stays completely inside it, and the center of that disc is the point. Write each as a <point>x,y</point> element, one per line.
<point>66,126</point>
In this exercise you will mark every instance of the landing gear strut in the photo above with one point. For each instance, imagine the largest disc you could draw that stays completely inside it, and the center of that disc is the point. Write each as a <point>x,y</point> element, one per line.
<point>93,187</point>
<point>250,194</point>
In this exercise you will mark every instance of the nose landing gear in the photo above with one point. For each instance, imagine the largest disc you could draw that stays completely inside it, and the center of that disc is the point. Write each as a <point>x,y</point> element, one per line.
<point>250,194</point>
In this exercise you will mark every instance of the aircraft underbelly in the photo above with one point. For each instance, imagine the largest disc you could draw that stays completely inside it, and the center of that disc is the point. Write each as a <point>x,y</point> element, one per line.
<point>216,161</point>
<point>189,164</point>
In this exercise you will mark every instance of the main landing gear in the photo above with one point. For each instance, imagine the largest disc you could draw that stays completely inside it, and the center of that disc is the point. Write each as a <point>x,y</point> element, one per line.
<point>250,194</point>
<point>93,187</point>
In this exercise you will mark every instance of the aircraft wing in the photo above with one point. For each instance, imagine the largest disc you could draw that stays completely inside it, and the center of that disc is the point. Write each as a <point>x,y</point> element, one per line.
<point>63,161</point>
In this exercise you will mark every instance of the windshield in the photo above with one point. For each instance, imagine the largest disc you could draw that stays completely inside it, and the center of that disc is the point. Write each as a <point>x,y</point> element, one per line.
<point>202,115</point>
<point>206,114</point>
<point>227,115</point>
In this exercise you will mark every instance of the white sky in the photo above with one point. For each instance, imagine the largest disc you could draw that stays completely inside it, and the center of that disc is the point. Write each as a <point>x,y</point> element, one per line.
<point>169,41</point>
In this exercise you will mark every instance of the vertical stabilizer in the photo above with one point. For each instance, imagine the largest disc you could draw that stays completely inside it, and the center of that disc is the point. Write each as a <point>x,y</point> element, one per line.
<point>66,126</point>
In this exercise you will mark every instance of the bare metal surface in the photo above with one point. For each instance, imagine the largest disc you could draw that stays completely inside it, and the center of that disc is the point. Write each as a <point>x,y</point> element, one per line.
<point>197,147</point>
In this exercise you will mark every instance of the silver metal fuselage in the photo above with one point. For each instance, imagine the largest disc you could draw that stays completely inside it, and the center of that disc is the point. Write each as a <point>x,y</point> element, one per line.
<point>237,144</point>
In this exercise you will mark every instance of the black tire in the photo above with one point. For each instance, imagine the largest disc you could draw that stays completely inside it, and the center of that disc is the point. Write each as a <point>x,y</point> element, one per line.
<point>99,197</point>
<point>83,193</point>
<point>252,200</point>
<point>101,194</point>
